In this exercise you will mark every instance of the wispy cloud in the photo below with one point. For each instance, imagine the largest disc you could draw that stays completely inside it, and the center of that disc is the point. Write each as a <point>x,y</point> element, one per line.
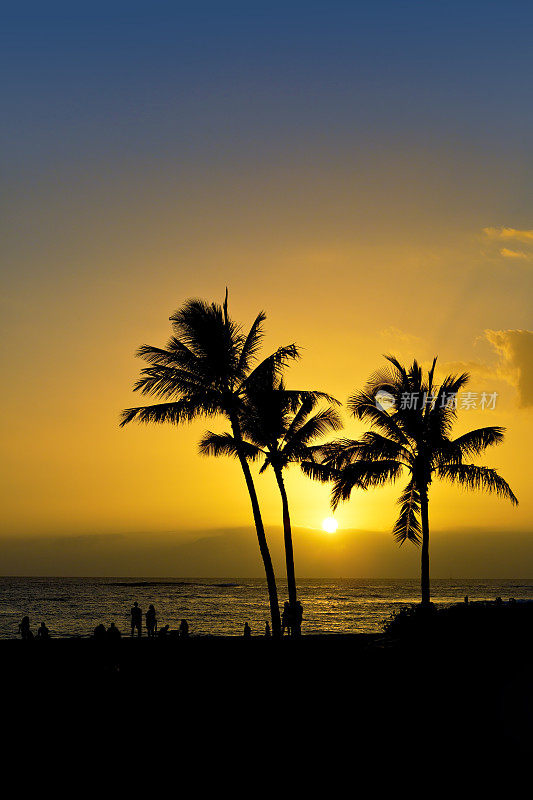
<point>509,234</point>
<point>399,336</point>
<point>519,254</point>
<point>512,362</point>
<point>515,351</point>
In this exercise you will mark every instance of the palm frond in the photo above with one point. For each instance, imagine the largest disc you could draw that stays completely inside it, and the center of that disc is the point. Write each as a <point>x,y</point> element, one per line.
<point>252,344</point>
<point>476,441</point>
<point>338,452</point>
<point>400,369</point>
<point>429,394</point>
<point>194,323</point>
<point>324,473</point>
<point>374,446</point>
<point>385,379</point>
<point>300,403</point>
<point>363,407</point>
<point>212,338</point>
<point>163,381</point>
<point>407,526</point>
<point>475,478</point>
<point>296,445</point>
<point>272,366</point>
<point>266,464</point>
<point>176,354</point>
<point>301,408</point>
<point>223,444</point>
<point>295,397</point>
<point>363,475</point>
<point>443,410</point>
<point>157,355</point>
<point>175,413</point>
<point>415,375</point>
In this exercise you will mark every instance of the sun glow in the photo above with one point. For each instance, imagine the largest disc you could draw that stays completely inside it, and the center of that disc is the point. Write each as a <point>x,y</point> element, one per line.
<point>330,525</point>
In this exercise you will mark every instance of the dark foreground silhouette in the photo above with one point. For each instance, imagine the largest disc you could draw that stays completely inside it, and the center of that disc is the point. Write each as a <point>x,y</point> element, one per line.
<point>453,682</point>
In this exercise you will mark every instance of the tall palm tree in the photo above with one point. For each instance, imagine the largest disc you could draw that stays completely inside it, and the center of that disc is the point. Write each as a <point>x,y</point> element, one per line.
<point>412,418</point>
<point>279,426</point>
<point>205,370</point>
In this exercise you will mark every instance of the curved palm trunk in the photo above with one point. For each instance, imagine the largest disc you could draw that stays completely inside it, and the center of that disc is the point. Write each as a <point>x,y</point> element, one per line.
<point>259,527</point>
<point>424,570</point>
<point>287,533</point>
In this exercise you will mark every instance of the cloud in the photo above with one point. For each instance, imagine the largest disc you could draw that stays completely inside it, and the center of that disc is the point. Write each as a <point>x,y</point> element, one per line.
<point>515,361</point>
<point>506,253</point>
<point>506,234</point>
<point>479,369</point>
<point>511,235</point>
<point>512,362</point>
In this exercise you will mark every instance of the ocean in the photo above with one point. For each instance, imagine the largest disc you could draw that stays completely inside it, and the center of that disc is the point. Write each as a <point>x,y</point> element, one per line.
<point>72,607</point>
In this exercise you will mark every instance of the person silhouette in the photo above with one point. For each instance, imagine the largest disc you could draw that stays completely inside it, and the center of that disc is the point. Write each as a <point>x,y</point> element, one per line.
<point>113,634</point>
<point>247,631</point>
<point>297,616</point>
<point>286,618</point>
<point>184,629</point>
<point>136,619</point>
<point>24,629</point>
<point>267,629</point>
<point>162,633</point>
<point>43,632</point>
<point>100,633</point>
<point>151,621</point>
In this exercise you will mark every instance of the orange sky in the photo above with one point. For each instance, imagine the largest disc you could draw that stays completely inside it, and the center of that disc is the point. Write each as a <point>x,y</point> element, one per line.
<point>356,233</point>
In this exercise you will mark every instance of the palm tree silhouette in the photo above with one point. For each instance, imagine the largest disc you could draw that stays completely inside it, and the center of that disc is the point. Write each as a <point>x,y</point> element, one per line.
<point>206,370</point>
<point>413,420</point>
<point>278,426</point>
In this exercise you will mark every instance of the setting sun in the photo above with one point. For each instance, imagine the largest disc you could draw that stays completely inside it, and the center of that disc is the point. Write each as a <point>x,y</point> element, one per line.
<point>330,525</point>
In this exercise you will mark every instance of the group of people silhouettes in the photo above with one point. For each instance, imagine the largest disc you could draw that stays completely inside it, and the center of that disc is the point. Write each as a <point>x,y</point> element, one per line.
<point>27,633</point>
<point>137,620</point>
<point>112,633</point>
<point>151,624</point>
<point>103,634</point>
<point>291,618</point>
<point>291,621</point>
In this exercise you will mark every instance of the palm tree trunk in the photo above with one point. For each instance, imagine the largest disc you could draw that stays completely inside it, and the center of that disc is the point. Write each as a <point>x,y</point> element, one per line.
<point>424,569</point>
<point>287,533</point>
<point>261,537</point>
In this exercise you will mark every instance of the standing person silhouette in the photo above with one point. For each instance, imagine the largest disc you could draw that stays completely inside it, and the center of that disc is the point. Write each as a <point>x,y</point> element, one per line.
<point>24,629</point>
<point>184,629</point>
<point>136,619</point>
<point>151,622</point>
<point>267,629</point>
<point>247,631</point>
<point>298,613</point>
<point>286,618</point>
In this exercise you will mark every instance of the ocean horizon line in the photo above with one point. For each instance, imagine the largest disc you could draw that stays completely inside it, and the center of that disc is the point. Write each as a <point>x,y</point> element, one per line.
<point>414,578</point>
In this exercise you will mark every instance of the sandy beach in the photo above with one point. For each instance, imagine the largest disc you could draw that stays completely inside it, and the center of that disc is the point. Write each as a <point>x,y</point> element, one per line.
<point>463,682</point>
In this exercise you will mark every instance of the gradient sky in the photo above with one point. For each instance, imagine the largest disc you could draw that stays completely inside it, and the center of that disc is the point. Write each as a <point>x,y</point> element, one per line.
<point>362,171</point>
